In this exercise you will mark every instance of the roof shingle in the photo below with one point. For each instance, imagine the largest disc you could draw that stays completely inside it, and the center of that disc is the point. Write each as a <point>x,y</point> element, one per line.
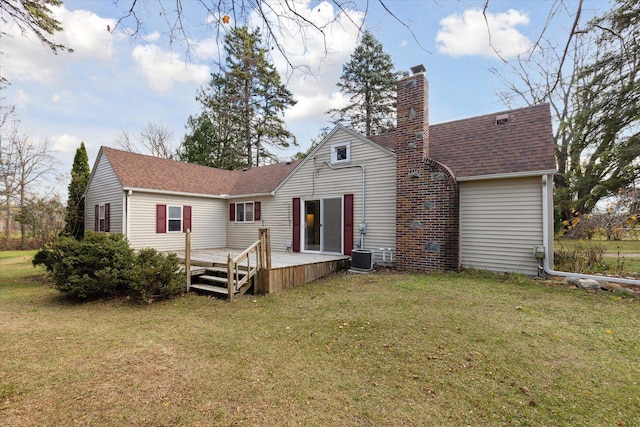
<point>154,173</point>
<point>477,146</point>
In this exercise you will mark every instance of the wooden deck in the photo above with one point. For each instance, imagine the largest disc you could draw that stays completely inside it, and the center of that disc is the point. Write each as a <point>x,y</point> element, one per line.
<point>287,270</point>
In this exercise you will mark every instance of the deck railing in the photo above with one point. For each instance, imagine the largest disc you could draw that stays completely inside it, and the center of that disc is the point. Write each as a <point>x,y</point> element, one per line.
<point>241,270</point>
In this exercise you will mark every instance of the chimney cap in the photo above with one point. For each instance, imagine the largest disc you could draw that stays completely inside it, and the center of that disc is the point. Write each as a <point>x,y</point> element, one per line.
<point>418,69</point>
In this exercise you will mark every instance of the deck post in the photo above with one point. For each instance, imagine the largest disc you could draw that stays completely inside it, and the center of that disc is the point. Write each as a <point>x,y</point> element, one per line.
<point>187,257</point>
<point>230,277</point>
<point>265,238</point>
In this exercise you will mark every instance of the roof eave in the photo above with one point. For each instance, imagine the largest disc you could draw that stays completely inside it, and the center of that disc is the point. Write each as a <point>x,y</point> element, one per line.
<point>175,193</point>
<point>526,174</point>
<point>244,196</point>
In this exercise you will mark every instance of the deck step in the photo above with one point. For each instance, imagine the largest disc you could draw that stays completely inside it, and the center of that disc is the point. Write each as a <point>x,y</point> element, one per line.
<point>213,278</point>
<point>216,269</point>
<point>210,288</point>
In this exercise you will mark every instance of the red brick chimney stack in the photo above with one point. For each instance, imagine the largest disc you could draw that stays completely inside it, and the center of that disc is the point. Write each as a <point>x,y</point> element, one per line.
<point>413,118</point>
<point>426,191</point>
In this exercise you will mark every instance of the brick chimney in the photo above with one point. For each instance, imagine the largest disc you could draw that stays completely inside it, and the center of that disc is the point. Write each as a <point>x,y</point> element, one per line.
<point>426,191</point>
<point>412,127</point>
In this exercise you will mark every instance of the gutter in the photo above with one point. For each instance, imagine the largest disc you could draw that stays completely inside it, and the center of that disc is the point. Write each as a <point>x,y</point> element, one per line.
<point>545,242</point>
<point>174,193</point>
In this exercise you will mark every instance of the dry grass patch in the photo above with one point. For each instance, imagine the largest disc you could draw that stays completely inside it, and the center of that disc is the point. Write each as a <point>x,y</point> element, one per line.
<point>381,349</point>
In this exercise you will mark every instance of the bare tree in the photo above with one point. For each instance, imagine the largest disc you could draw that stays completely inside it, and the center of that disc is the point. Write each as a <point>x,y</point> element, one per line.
<point>154,139</point>
<point>280,20</point>
<point>24,162</point>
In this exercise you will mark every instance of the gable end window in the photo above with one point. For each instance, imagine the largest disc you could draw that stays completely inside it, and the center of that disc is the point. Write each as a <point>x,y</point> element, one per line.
<point>102,218</point>
<point>341,153</point>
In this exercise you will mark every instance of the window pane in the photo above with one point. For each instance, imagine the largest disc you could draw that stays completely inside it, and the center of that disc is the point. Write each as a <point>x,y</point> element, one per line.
<point>175,212</point>
<point>248,217</point>
<point>102,211</point>
<point>101,224</point>
<point>341,153</point>
<point>240,212</point>
<point>175,225</point>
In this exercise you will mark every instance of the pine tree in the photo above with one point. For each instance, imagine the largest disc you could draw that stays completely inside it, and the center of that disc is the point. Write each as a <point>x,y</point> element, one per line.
<point>211,137</point>
<point>242,108</point>
<point>368,80</point>
<point>80,173</point>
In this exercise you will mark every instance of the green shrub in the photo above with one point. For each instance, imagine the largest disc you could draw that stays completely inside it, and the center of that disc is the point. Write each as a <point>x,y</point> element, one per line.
<point>101,265</point>
<point>155,277</point>
<point>580,258</point>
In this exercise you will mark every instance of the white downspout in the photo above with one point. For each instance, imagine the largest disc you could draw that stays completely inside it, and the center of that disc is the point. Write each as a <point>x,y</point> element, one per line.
<point>364,195</point>
<point>545,242</point>
<point>128,213</point>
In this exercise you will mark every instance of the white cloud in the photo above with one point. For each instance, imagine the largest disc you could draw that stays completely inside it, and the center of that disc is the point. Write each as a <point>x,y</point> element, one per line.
<point>152,37</point>
<point>21,99</point>
<point>470,34</point>
<point>86,33</point>
<point>318,57</point>
<point>65,143</point>
<point>55,98</point>
<point>25,58</point>
<point>207,49</point>
<point>162,69</point>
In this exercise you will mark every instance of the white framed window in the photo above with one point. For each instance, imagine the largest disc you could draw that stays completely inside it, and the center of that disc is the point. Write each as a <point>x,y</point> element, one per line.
<point>244,212</point>
<point>341,153</point>
<point>101,219</point>
<point>174,218</point>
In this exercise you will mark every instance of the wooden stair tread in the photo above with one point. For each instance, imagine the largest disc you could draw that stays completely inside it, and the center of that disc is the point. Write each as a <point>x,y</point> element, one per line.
<point>216,269</point>
<point>213,278</point>
<point>211,288</point>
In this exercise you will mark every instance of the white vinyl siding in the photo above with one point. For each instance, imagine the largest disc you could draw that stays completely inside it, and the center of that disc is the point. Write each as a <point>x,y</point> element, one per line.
<point>240,234</point>
<point>208,222</point>
<point>104,187</point>
<point>314,179</point>
<point>500,224</point>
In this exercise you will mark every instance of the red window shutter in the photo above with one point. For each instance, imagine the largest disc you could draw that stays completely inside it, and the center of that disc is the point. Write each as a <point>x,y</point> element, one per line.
<point>161,218</point>
<point>107,217</point>
<point>96,222</point>
<point>348,223</point>
<point>296,224</point>
<point>186,220</point>
<point>232,212</point>
<point>256,211</point>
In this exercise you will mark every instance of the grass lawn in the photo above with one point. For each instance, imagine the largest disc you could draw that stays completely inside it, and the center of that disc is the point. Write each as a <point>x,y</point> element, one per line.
<point>361,350</point>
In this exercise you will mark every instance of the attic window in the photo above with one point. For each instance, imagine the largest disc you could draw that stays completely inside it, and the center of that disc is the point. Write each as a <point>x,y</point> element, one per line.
<point>340,153</point>
<point>502,119</point>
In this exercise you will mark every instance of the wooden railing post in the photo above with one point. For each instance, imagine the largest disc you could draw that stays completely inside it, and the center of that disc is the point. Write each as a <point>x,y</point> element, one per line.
<point>265,241</point>
<point>187,257</point>
<point>230,277</point>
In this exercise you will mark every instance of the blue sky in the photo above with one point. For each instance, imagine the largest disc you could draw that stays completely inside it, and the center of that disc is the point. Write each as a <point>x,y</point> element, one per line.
<point>113,82</point>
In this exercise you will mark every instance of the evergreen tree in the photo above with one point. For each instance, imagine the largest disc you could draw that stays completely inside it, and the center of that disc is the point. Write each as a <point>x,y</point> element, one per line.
<point>80,173</point>
<point>368,80</point>
<point>242,108</point>
<point>211,136</point>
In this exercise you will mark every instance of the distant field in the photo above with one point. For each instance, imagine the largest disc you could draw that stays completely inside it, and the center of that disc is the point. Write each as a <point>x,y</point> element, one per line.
<point>612,246</point>
<point>380,349</point>
<point>620,254</point>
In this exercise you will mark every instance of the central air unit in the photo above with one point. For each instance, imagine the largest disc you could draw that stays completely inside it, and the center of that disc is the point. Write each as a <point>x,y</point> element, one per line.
<point>362,259</point>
